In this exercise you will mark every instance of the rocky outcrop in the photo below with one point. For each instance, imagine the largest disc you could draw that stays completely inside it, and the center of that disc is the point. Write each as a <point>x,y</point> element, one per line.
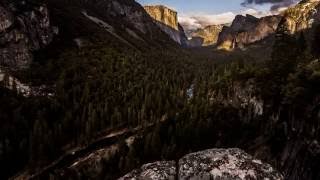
<point>304,18</point>
<point>12,83</point>
<point>209,34</point>
<point>162,170</point>
<point>209,164</point>
<point>27,26</point>
<point>24,28</point>
<point>167,20</point>
<point>118,22</point>
<point>301,17</point>
<point>246,30</point>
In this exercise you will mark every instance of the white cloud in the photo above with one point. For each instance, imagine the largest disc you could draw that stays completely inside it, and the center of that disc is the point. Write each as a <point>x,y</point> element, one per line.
<point>257,13</point>
<point>200,20</point>
<point>276,5</point>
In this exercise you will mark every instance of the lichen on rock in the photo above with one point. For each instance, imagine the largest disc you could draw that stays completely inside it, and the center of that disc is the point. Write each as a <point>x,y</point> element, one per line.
<point>224,164</point>
<point>162,170</point>
<point>231,164</point>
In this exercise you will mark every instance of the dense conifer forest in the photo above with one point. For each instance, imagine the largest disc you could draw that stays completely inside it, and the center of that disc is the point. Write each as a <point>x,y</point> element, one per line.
<point>97,85</point>
<point>99,88</point>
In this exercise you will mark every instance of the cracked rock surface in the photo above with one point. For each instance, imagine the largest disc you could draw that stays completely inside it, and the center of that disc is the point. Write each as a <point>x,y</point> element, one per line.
<point>162,170</point>
<point>217,164</point>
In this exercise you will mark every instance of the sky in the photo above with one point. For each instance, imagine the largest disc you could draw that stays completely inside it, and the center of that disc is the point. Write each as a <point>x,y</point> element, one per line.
<point>195,14</point>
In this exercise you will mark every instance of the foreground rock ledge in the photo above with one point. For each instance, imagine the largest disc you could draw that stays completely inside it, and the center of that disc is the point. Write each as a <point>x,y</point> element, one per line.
<point>231,164</point>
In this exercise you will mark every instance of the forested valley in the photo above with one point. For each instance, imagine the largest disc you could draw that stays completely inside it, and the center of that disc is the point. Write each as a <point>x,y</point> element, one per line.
<point>99,89</point>
<point>174,100</point>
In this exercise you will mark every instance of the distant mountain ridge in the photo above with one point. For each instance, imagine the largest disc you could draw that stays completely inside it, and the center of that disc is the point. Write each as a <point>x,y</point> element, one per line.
<point>209,34</point>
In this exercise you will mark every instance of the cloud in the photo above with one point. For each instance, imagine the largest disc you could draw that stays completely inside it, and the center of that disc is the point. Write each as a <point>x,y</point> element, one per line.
<point>262,1</point>
<point>276,5</point>
<point>200,20</point>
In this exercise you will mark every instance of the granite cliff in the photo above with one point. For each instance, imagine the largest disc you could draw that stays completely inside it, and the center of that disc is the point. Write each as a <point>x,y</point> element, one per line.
<point>29,26</point>
<point>122,22</point>
<point>167,20</point>
<point>246,30</point>
<point>163,14</point>
<point>302,19</point>
<point>24,28</point>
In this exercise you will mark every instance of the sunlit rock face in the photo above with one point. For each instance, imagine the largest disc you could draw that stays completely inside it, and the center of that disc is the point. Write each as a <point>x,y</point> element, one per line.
<point>24,28</point>
<point>163,14</point>
<point>209,34</point>
<point>231,164</point>
<point>246,30</point>
<point>301,17</point>
<point>167,20</point>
